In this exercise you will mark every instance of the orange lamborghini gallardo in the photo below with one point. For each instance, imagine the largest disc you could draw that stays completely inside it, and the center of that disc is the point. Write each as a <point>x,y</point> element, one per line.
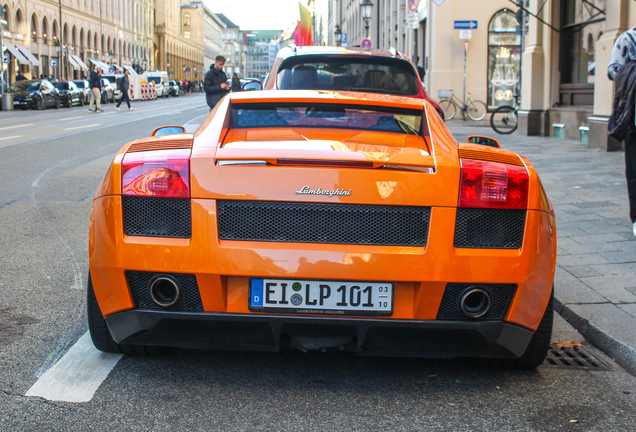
<point>322,220</point>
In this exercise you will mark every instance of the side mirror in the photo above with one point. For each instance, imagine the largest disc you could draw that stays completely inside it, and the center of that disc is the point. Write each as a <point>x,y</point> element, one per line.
<point>484,140</point>
<point>252,85</point>
<point>168,130</point>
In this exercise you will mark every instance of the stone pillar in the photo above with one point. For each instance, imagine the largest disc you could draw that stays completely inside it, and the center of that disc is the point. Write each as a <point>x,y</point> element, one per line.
<point>533,117</point>
<point>615,23</point>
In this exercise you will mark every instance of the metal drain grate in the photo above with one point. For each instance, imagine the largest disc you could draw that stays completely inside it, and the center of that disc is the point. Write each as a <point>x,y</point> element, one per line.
<point>575,357</point>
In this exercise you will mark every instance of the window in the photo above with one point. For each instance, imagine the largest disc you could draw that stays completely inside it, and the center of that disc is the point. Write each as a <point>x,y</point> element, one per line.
<point>504,54</point>
<point>186,34</point>
<point>186,19</point>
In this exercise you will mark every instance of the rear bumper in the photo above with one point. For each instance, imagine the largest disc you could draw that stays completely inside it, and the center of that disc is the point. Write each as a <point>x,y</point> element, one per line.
<point>380,337</point>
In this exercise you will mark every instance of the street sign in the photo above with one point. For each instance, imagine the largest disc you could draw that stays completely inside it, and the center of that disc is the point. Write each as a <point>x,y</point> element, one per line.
<point>343,40</point>
<point>465,34</point>
<point>5,58</point>
<point>366,43</point>
<point>53,63</point>
<point>465,25</point>
<point>438,2</point>
<point>413,5</point>
<point>412,20</point>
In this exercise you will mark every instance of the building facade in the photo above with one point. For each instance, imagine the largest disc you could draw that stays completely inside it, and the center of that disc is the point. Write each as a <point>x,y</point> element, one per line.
<point>213,33</point>
<point>179,38</point>
<point>116,32</point>
<point>257,52</point>
<point>233,47</point>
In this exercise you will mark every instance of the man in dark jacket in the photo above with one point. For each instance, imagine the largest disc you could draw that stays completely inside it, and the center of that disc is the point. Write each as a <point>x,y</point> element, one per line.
<point>623,65</point>
<point>95,83</point>
<point>20,77</point>
<point>215,82</point>
<point>123,86</point>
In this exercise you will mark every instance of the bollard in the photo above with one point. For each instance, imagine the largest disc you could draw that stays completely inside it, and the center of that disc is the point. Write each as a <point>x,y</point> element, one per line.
<point>7,102</point>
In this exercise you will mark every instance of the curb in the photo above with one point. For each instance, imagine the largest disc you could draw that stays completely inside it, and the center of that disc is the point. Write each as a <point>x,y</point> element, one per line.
<point>620,352</point>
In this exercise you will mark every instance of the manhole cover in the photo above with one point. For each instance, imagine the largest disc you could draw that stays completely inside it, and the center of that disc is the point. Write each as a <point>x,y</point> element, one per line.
<point>574,357</point>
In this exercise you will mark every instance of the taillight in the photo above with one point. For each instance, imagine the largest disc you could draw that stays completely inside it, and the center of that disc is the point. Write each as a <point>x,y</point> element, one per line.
<point>493,185</point>
<point>159,173</point>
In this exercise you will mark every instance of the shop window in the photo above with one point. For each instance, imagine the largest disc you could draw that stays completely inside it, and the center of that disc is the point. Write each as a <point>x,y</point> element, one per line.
<point>578,23</point>
<point>504,55</point>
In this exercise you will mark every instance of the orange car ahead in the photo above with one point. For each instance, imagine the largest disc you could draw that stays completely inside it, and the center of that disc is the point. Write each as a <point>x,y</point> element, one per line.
<point>322,220</point>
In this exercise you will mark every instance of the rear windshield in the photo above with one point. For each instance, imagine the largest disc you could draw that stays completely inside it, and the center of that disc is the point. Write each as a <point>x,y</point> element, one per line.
<point>156,80</point>
<point>61,86</point>
<point>402,121</point>
<point>374,75</point>
<point>80,84</point>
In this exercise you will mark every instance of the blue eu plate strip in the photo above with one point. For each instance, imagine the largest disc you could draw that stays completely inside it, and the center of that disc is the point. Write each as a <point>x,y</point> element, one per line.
<point>256,295</point>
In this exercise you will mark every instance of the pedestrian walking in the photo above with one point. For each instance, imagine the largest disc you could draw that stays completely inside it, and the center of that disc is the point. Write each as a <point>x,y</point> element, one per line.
<point>236,83</point>
<point>123,86</point>
<point>215,82</point>
<point>621,126</point>
<point>96,90</point>
<point>20,77</point>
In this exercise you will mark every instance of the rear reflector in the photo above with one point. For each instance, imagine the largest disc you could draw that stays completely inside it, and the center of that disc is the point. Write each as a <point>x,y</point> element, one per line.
<point>493,185</point>
<point>161,173</point>
<point>326,163</point>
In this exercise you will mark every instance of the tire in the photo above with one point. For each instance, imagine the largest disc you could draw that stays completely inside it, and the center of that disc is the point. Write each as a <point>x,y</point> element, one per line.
<point>449,108</point>
<point>69,104</point>
<point>504,120</point>
<point>37,103</point>
<point>57,103</point>
<point>538,347</point>
<point>476,110</point>
<point>81,100</point>
<point>100,334</point>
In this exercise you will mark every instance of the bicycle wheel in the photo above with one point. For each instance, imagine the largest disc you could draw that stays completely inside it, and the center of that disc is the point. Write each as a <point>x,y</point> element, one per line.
<point>449,108</point>
<point>476,110</point>
<point>504,120</point>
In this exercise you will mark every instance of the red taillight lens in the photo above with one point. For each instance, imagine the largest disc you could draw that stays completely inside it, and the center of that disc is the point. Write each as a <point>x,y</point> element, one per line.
<point>493,185</point>
<point>160,173</point>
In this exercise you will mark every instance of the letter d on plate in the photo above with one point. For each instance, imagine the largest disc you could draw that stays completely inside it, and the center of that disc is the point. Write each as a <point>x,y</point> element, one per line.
<point>256,295</point>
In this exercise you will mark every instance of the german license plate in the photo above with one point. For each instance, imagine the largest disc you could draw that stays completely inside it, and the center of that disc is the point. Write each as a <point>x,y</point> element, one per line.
<point>321,297</point>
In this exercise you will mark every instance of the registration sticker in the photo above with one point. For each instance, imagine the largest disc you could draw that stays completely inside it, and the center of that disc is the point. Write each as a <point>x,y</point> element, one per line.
<point>321,297</point>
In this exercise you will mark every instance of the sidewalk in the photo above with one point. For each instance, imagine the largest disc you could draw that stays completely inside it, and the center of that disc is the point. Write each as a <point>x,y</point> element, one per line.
<point>595,281</point>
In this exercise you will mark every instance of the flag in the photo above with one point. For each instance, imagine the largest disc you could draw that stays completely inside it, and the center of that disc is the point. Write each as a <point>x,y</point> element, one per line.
<point>305,28</point>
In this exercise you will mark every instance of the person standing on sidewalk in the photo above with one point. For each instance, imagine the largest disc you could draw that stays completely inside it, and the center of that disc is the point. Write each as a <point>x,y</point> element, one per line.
<point>622,70</point>
<point>123,86</point>
<point>215,82</point>
<point>236,83</point>
<point>96,90</point>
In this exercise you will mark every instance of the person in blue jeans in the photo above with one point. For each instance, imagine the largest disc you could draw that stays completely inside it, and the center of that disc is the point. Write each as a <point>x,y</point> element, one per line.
<point>123,86</point>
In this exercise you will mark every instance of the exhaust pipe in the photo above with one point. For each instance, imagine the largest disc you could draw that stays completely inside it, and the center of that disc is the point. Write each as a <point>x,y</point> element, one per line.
<point>475,302</point>
<point>164,291</point>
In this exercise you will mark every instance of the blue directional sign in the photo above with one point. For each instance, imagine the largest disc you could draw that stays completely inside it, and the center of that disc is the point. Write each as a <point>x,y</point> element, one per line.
<point>53,62</point>
<point>343,40</point>
<point>5,58</point>
<point>465,25</point>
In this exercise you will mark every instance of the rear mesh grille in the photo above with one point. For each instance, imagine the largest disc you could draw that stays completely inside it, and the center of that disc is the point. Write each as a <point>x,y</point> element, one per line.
<point>489,228</point>
<point>500,297</point>
<point>157,217</point>
<point>323,223</point>
<point>139,283</point>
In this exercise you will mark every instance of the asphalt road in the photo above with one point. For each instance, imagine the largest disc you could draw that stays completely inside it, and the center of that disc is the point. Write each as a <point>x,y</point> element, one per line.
<point>51,163</point>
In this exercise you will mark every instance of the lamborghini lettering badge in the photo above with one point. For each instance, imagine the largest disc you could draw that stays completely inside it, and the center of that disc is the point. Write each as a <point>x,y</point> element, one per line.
<point>306,190</point>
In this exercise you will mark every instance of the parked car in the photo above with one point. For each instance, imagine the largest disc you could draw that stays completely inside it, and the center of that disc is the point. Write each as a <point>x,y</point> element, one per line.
<point>173,88</point>
<point>114,80</point>
<point>108,92</point>
<point>70,94</point>
<point>36,94</point>
<point>85,87</point>
<point>160,79</point>
<point>347,69</point>
<point>323,220</point>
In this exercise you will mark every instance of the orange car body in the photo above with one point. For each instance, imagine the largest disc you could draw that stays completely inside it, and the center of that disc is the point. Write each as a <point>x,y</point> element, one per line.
<point>425,171</point>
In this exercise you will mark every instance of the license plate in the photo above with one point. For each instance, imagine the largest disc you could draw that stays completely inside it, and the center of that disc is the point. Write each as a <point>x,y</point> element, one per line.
<point>318,297</point>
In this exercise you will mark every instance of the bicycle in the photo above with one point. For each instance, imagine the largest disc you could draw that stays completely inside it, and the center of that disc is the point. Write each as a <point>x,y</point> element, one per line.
<point>476,110</point>
<point>504,119</point>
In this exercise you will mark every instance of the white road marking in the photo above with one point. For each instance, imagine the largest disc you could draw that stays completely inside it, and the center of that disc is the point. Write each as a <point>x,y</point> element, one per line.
<point>202,108</point>
<point>18,126</point>
<point>72,118</point>
<point>82,127</point>
<point>14,136</point>
<point>76,376</point>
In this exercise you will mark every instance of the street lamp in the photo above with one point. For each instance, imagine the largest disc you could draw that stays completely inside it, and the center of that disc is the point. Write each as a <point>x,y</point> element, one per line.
<point>338,35</point>
<point>366,7</point>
